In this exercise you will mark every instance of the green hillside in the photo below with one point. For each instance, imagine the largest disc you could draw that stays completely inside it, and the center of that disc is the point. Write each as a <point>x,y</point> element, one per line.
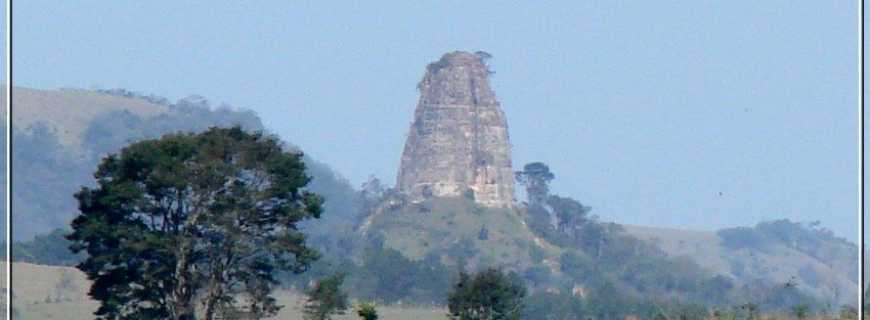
<point>497,237</point>
<point>833,277</point>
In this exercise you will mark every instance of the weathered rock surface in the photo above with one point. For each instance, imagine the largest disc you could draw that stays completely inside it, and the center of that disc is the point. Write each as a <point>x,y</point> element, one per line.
<point>458,144</point>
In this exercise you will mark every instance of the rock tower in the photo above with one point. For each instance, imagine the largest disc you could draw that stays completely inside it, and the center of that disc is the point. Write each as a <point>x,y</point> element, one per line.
<point>458,144</point>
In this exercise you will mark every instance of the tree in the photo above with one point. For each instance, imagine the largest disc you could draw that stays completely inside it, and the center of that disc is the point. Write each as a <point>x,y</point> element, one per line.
<point>326,299</point>
<point>536,177</point>
<point>367,311</point>
<point>208,215</point>
<point>370,194</point>
<point>490,294</point>
<point>570,213</point>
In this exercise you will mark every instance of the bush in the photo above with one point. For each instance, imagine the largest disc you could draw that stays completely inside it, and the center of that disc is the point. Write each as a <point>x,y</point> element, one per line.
<point>490,294</point>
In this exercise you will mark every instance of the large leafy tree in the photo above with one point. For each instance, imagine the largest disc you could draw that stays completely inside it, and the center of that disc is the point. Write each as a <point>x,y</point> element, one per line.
<point>489,294</point>
<point>193,218</point>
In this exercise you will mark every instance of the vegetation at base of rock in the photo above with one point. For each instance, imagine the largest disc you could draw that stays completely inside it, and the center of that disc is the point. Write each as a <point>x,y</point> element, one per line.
<point>326,299</point>
<point>489,294</point>
<point>193,218</point>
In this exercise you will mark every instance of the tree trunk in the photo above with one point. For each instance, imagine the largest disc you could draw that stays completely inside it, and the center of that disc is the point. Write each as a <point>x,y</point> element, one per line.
<point>211,299</point>
<point>181,306</point>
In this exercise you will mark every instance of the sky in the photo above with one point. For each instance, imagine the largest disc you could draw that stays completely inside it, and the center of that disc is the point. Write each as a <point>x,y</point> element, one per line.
<point>685,114</point>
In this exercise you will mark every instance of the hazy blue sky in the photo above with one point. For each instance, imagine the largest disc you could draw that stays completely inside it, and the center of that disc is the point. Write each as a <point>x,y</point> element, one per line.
<point>644,111</point>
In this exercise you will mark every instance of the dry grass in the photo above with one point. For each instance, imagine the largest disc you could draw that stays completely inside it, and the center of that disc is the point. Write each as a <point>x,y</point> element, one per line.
<point>38,295</point>
<point>70,111</point>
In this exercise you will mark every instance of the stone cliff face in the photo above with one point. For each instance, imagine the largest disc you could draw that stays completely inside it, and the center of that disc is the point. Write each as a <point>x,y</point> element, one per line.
<point>458,144</point>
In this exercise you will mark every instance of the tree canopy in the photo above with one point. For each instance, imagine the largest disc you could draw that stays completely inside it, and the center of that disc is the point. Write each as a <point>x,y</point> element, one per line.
<point>536,177</point>
<point>489,294</point>
<point>193,218</point>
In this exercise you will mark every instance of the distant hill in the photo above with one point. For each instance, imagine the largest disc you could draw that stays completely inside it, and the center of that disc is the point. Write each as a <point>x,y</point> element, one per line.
<point>833,276</point>
<point>71,111</point>
<point>61,135</point>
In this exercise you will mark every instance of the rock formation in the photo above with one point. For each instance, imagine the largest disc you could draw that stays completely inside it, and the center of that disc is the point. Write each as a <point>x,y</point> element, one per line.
<point>458,144</point>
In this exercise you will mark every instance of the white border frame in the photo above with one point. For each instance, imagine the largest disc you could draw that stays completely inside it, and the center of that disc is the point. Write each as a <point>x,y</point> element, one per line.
<point>8,159</point>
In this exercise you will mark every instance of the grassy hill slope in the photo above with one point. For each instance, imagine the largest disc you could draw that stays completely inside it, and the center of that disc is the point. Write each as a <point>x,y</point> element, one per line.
<point>498,235</point>
<point>71,111</point>
<point>777,262</point>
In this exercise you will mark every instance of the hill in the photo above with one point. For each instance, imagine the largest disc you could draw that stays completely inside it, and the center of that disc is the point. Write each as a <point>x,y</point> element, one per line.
<point>61,135</point>
<point>445,225</point>
<point>833,276</point>
<point>71,111</point>
<point>585,258</point>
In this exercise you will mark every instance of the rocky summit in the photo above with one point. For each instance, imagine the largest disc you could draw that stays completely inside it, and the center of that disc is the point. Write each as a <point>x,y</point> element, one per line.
<point>458,144</point>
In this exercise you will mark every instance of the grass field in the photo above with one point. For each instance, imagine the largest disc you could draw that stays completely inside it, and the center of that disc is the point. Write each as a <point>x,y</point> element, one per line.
<point>47,292</point>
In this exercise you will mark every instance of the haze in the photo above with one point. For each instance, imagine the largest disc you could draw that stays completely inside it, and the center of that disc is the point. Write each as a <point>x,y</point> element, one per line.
<point>687,115</point>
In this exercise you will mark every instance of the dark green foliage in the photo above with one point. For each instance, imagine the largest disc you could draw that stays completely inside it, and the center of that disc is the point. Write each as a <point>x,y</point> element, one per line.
<point>388,276</point>
<point>384,275</point>
<point>536,176</point>
<point>49,249</point>
<point>326,299</point>
<point>215,212</point>
<point>602,256</point>
<point>42,200</point>
<point>489,294</point>
<point>367,311</point>
<point>42,196</point>
<point>570,214</point>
